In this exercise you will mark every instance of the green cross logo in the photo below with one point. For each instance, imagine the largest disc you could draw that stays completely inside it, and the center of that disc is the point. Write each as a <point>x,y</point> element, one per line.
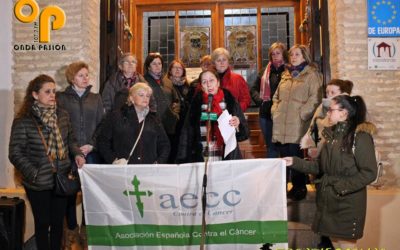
<point>137,194</point>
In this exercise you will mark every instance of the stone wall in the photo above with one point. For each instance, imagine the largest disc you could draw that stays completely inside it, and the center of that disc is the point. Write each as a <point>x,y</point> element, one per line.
<point>80,37</point>
<point>380,89</point>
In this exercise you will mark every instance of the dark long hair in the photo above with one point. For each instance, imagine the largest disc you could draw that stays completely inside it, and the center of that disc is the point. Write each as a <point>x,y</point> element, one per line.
<point>357,113</point>
<point>34,86</point>
<point>150,58</point>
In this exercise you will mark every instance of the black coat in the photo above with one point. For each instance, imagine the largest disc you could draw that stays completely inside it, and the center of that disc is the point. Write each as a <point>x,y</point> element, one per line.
<point>86,112</point>
<point>28,155</point>
<point>118,133</point>
<point>190,147</point>
<point>164,97</point>
<point>274,79</point>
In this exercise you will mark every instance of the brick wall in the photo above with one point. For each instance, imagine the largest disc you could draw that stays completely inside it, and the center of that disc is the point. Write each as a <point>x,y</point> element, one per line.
<point>380,89</point>
<point>79,36</point>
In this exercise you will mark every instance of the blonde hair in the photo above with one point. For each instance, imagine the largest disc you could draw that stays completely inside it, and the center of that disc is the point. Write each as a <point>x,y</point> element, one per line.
<point>218,52</point>
<point>138,86</point>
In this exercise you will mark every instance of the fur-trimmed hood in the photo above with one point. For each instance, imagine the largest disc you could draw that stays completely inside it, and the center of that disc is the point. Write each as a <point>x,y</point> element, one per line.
<point>367,127</point>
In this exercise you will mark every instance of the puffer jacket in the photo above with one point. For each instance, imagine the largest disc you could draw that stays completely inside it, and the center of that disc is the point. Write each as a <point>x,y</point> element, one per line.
<point>294,104</point>
<point>86,112</point>
<point>343,178</point>
<point>27,152</point>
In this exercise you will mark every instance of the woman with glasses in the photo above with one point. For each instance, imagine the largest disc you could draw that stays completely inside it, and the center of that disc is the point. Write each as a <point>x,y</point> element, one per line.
<point>116,88</point>
<point>345,166</point>
<point>176,79</point>
<point>201,123</point>
<point>295,100</point>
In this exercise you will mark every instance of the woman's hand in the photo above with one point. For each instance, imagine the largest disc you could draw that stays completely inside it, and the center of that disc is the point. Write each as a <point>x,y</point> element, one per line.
<point>234,122</point>
<point>80,161</point>
<point>288,160</point>
<point>86,149</point>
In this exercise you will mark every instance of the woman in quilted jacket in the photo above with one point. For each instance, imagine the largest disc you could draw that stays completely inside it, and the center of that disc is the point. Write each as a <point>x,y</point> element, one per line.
<point>31,157</point>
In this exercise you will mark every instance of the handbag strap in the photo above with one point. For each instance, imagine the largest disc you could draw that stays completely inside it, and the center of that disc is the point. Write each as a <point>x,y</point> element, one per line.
<point>136,142</point>
<point>45,145</point>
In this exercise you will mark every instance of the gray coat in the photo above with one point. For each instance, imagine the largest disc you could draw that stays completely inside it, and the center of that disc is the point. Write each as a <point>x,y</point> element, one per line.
<point>115,84</point>
<point>86,112</point>
<point>343,178</point>
<point>27,152</point>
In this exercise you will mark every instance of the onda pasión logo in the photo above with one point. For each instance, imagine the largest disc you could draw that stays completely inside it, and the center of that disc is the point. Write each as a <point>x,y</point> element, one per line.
<point>50,18</point>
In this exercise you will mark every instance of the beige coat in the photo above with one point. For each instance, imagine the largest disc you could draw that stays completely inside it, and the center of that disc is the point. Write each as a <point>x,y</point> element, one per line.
<point>294,104</point>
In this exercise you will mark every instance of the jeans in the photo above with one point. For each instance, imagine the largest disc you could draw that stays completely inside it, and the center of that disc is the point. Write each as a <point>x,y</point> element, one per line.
<point>266,129</point>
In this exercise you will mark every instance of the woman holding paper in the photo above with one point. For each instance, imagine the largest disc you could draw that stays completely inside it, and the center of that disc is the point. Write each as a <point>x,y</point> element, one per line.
<point>206,108</point>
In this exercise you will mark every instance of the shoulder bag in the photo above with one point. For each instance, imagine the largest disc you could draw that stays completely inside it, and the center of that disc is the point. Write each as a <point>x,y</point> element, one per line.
<point>64,184</point>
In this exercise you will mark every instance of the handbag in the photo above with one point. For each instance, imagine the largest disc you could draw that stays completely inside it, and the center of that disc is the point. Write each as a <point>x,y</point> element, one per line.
<point>123,161</point>
<point>64,184</point>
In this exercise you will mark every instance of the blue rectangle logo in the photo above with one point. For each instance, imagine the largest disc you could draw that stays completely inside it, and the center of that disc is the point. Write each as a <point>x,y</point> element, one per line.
<point>383,18</point>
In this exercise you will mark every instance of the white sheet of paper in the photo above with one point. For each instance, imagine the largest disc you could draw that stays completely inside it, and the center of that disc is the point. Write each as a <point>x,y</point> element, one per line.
<point>227,131</point>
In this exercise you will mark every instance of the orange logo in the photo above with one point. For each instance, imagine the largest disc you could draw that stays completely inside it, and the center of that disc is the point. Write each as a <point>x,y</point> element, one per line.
<point>50,18</point>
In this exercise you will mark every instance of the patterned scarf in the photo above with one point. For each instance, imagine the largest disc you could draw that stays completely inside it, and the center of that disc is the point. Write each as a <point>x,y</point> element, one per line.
<point>55,144</point>
<point>295,70</point>
<point>130,81</point>
<point>178,81</point>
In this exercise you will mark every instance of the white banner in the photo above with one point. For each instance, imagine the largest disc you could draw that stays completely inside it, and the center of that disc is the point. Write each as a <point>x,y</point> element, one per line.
<point>159,206</point>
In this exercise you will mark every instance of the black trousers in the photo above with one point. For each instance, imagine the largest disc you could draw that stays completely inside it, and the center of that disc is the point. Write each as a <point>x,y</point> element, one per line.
<point>299,180</point>
<point>48,214</point>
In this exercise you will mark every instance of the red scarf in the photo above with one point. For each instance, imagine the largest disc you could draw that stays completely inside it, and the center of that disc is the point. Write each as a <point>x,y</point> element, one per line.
<point>265,89</point>
<point>215,108</point>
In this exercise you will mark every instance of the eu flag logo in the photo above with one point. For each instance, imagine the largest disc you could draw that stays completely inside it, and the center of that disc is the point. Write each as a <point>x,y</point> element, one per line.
<point>383,18</point>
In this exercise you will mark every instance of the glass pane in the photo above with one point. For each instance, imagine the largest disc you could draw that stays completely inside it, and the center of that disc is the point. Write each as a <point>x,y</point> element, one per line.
<point>277,24</point>
<point>159,34</point>
<point>195,36</point>
<point>241,37</point>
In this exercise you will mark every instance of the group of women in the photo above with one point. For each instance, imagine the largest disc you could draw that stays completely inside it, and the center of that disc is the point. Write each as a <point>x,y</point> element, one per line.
<point>137,119</point>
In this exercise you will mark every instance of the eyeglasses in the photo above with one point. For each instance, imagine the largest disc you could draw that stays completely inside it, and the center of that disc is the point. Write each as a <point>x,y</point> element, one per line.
<point>331,110</point>
<point>129,62</point>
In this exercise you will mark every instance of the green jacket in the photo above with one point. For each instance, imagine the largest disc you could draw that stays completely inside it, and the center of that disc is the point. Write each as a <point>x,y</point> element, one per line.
<point>343,178</point>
